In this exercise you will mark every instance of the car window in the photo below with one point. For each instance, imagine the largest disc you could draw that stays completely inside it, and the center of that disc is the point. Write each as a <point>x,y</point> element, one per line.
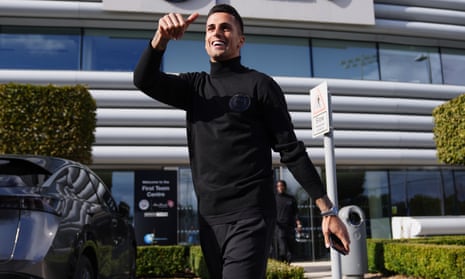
<point>31,180</point>
<point>11,180</point>
<point>21,172</point>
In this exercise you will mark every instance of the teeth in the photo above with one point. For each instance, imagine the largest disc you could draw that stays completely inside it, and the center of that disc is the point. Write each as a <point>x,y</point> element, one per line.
<point>217,43</point>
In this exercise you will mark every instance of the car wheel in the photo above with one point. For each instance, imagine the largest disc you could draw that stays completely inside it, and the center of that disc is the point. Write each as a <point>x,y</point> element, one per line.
<point>84,269</point>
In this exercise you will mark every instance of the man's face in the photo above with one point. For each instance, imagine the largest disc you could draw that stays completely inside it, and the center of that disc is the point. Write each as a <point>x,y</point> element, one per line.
<point>280,188</point>
<point>223,37</point>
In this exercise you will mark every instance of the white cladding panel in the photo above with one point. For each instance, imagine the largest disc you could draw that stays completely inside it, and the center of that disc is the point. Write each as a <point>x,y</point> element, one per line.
<point>376,122</point>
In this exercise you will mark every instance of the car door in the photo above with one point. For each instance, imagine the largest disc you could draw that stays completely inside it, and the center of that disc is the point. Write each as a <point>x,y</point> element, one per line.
<point>122,249</point>
<point>96,222</point>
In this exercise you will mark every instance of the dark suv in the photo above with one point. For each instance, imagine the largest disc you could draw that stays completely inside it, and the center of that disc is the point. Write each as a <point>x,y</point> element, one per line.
<point>58,220</point>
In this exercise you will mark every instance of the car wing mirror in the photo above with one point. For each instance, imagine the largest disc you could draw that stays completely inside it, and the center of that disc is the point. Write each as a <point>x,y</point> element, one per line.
<point>124,209</point>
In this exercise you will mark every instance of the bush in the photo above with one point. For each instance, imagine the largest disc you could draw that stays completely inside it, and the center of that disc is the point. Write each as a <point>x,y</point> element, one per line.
<point>449,131</point>
<point>431,257</point>
<point>47,120</point>
<point>170,261</point>
<point>197,262</point>
<point>280,270</point>
<point>161,261</point>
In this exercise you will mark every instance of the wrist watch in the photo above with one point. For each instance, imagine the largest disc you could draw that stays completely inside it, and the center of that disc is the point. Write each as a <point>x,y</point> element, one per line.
<point>330,212</point>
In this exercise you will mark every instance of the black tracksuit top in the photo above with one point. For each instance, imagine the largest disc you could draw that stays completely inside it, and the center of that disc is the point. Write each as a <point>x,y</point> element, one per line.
<point>235,118</point>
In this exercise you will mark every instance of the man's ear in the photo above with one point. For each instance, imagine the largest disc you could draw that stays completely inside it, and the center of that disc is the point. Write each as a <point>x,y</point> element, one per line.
<point>241,41</point>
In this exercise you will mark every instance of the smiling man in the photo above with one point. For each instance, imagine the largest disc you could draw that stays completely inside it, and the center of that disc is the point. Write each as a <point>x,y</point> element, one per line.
<point>235,117</point>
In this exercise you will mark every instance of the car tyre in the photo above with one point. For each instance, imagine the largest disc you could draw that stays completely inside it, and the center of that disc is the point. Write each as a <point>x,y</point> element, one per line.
<point>84,269</point>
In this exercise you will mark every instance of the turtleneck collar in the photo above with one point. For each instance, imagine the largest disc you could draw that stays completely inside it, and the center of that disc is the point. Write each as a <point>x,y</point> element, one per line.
<point>228,66</point>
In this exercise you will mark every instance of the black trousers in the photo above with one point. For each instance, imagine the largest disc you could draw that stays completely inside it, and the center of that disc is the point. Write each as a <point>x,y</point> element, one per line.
<point>284,242</point>
<point>239,249</point>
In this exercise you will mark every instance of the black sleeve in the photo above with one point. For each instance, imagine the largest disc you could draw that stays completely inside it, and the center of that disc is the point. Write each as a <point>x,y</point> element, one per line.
<point>292,151</point>
<point>166,88</point>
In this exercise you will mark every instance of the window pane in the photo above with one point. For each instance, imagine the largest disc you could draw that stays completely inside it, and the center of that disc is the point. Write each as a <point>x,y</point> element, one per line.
<point>39,48</point>
<point>424,193</point>
<point>122,188</point>
<point>188,228</point>
<point>344,59</point>
<point>186,55</point>
<point>113,50</point>
<point>416,193</point>
<point>459,177</point>
<point>397,181</point>
<point>453,65</point>
<point>376,191</point>
<point>277,56</point>
<point>409,63</point>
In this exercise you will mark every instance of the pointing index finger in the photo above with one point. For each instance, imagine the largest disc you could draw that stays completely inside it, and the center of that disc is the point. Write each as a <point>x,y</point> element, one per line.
<point>192,18</point>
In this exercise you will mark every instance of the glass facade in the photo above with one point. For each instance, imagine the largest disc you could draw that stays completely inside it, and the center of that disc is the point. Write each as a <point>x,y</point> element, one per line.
<point>112,50</point>
<point>453,65</point>
<point>119,50</point>
<point>409,63</point>
<point>277,56</point>
<point>40,48</point>
<point>345,59</point>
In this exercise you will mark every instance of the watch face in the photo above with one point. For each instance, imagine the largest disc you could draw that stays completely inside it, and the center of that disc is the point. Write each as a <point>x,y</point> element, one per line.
<point>144,204</point>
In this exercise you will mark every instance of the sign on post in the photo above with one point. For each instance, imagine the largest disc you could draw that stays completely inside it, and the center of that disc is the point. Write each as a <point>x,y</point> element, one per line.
<point>319,108</point>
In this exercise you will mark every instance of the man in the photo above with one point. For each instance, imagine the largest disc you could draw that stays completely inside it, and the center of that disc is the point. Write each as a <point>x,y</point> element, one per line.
<point>235,116</point>
<point>286,222</point>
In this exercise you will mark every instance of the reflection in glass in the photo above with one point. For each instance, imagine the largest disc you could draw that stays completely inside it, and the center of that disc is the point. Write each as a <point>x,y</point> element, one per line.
<point>459,179</point>
<point>424,193</point>
<point>344,59</point>
<point>188,228</point>
<point>39,48</point>
<point>112,50</point>
<point>122,188</point>
<point>398,193</point>
<point>416,193</point>
<point>453,65</point>
<point>186,55</point>
<point>409,63</point>
<point>277,56</point>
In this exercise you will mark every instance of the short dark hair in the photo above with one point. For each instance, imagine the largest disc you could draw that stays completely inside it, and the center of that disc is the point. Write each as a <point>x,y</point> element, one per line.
<point>225,8</point>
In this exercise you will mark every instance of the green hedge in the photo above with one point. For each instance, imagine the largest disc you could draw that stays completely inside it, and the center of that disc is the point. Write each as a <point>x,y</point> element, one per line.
<point>47,120</point>
<point>431,257</point>
<point>280,270</point>
<point>187,261</point>
<point>161,261</point>
<point>449,131</point>
<point>197,263</point>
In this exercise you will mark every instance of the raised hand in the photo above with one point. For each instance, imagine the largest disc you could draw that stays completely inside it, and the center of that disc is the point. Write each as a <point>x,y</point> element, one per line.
<point>171,26</point>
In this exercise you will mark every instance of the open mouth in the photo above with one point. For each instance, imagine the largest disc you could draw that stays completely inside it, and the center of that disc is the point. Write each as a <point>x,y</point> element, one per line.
<point>218,44</point>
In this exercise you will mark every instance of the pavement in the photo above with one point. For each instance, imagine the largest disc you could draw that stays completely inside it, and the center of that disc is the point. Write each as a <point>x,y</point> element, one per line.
<point>322,270</point>
<point>316,270</point>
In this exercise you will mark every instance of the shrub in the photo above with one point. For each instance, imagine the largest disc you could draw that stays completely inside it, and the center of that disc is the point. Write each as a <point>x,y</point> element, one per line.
<point>169,261</point>
<point>449,131</point>
<point>431,257</point>
<point>47,120</point>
